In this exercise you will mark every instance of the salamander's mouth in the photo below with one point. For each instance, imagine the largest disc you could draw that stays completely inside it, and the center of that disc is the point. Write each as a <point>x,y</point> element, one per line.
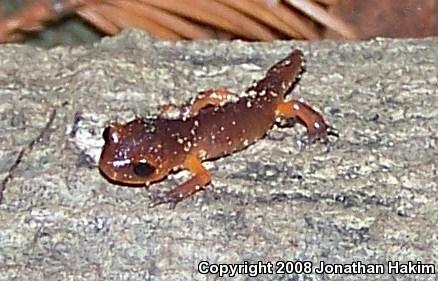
<point>115,180</point>
<point>120,172</point>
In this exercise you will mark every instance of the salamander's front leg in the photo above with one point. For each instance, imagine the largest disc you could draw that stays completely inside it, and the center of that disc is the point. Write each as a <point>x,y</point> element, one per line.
<point>201,177</point>
<point>307,116</point>
<point>212,97</point>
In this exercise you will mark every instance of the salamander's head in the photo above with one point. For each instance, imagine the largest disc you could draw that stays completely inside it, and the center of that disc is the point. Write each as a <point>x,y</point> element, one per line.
<point>133,154</point>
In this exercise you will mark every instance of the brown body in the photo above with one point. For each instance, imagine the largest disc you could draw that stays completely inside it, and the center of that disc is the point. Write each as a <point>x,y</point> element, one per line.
<point>214,124</point>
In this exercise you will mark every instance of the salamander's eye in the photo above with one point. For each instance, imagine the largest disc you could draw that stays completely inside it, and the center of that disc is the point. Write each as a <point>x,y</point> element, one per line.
<point>107,134</point>
<point>143,169</point>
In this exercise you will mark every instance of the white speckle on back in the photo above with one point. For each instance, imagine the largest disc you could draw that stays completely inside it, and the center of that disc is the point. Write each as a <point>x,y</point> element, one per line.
<point>187,146</point>
<point>316,125</point>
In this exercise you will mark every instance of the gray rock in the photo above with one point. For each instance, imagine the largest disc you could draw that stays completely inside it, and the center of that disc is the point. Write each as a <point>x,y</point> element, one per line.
<point>369,196</point>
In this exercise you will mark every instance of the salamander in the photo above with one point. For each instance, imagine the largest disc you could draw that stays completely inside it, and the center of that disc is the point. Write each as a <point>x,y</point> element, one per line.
<point>213,124</point>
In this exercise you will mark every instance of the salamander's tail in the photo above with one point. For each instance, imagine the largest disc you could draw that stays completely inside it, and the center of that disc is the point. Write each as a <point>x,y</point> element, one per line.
<point>280,77</point>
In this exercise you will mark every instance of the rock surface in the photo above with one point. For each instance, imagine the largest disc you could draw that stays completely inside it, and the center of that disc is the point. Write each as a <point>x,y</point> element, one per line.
<point>369,196</point>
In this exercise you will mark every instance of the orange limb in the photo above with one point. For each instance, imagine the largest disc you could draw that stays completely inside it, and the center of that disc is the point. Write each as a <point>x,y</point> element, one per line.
<point>201,177</point>
<point>306,115</point>
<point>212,97</point>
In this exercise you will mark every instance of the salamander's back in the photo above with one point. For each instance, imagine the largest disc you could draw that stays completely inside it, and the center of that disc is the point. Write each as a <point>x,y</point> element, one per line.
<point>225,129</point>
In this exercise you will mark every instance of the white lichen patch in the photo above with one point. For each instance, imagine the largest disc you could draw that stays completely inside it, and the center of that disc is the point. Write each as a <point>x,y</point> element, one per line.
<point>86,134</point>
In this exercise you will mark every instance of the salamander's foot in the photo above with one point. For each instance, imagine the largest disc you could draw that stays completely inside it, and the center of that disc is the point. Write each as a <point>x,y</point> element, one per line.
<point>199,180</point>
<point>317,131</point>
<point>159,198</point>
<point>172,197</point>
<point>317,128</point>
<point>321,134</point>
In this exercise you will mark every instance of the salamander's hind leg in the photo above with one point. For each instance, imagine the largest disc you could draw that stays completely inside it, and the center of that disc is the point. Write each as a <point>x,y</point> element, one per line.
<point>201,177</point>
<point>316,127</point>
<point>212,97</point>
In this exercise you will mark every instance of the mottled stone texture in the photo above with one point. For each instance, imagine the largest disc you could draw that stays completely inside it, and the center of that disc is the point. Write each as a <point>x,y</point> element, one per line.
<point>369,196</point>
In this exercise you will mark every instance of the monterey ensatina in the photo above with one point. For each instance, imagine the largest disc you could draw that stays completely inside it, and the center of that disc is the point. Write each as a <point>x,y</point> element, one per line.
<point>214,124</point>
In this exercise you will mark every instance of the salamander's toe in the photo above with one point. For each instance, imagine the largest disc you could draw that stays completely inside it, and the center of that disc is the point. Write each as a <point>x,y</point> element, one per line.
<point>332,132</point>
